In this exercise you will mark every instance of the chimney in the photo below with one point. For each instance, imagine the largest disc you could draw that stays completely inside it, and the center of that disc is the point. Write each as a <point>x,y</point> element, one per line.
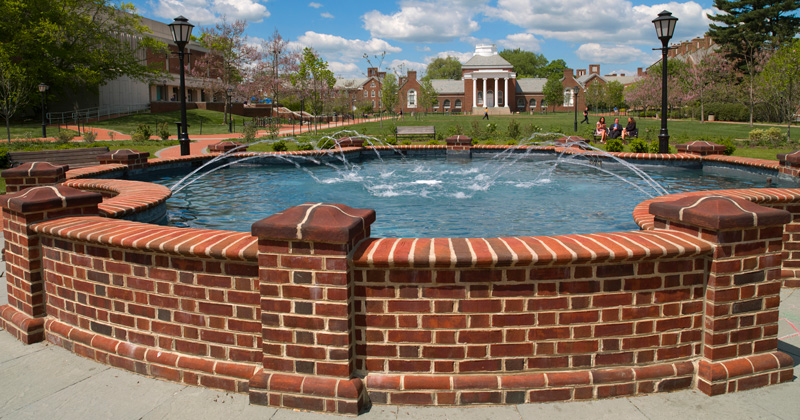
<point>622,74</point>
<point>594,69</point>
<point>581,72</point>
<point>568,74</point>
<point>372,71</point>
<point>412,75</point>
<point>639,72</point>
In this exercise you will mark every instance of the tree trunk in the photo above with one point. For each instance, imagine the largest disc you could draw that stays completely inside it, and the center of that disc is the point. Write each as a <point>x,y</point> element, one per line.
<point>8,129</point>
<point>751,100</point>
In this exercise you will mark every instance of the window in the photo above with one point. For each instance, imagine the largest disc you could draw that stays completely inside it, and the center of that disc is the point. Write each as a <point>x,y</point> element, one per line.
<point>480,98</point>
<point>373,103</point>
<point>520,103</point>
<point>500,98</point>
<point>458,103</point>
<point>412,98</point>
<point>436,105</point>
<point>533,103</point>
<point>543,103</point>
<point>366,94</point>
<point>373,94</point>
<point>567,97</point>
<point>372,84</point>
<point>446,104</point>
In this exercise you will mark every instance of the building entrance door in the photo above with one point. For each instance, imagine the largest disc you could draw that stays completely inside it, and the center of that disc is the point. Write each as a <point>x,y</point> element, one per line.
<point>490,98</point>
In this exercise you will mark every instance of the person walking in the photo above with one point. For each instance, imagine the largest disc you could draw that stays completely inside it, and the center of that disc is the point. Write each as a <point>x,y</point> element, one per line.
<point>485,114</point>
<point>585,116</point>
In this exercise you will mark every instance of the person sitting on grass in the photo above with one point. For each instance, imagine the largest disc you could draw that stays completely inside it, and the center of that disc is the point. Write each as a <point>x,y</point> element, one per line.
<point>630,129</point>
<point>616,129</point>
<point>601,129</point>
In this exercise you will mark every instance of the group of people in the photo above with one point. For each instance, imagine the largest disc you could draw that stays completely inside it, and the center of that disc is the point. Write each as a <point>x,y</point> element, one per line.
<point>616,130</point>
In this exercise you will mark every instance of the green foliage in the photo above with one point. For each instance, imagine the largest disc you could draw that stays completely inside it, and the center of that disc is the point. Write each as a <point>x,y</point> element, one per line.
<point>477,130</point>
<point>614,145</point>
<point>513,129</point>
<point>89,136</point>
<point>3,157</point>
<point>305,146</point>
<point>65,136</point>
<point>771,137</point>
<point>389,89</point>
<point>433,142</point>
<point>390,141</point>
<point>406,143</point>
<point>532,128</point>
<point>512,143</point>
<point>614,96</point>
<point>727,111</point>
<point>455,130</point>
<point>730,147</point>
<point>554,91</point>
<point>491,128</point>
<point>279,146</point>
<point>526,63</point>
<point>163,131</point>
<point>142,133</point>
<point>444,68</point>
<point>427,95</point>
<point>639,146</point>
<point>249,132</point>
<point>654,146</point>
<point>312,77</point>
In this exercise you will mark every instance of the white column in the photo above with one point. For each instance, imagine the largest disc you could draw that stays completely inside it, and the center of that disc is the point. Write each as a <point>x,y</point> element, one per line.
<point>484,93</point>
<point>496,96</point>
<point>474,92</point>
<point>505,95</point>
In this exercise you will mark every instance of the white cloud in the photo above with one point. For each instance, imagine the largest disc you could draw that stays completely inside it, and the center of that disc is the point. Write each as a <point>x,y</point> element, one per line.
<point>609,53</point>
<point>462,57</point>
<point>326,15</point>
<point>208,12</point>
<point>402,66</point>
<point>425,21</point>
<point>345,70</point>
<point>314,5</point>
<point>524,41</point>
<point>614,21</point>
<point>342,48</point>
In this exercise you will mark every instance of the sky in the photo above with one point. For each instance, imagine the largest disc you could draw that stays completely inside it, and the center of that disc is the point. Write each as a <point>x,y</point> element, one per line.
<point>616,34</point>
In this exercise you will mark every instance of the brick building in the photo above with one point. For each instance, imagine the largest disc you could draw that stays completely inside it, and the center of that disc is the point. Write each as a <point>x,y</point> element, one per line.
<point>361,90</point>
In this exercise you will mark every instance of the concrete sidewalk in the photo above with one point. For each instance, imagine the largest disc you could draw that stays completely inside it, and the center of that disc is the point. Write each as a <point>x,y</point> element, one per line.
<point>46,381</point>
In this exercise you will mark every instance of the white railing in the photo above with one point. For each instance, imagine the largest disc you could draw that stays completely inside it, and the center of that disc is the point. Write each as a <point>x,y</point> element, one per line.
<point>97,113</point>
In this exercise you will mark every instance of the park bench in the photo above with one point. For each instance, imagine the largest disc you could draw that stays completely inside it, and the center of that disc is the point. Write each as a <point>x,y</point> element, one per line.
<point>75,158</point>
<point>411,131</point>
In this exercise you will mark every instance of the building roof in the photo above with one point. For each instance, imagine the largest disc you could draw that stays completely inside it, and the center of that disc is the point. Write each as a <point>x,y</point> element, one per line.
<point>531,85</point>
<point>625,80</point>
<point>444,86</point>
<point>483,61</point>
<point>350,83</point>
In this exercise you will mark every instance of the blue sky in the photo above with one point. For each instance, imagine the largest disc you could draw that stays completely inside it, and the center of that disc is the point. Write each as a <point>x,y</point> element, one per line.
<point>616,34</point>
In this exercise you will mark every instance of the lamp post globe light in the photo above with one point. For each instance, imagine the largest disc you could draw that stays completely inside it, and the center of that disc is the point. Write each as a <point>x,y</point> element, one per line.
<point>230,108</point>
<point>42,89</point>
<point>665,28</point>
<point>181,32</point>
<point>575,91</point>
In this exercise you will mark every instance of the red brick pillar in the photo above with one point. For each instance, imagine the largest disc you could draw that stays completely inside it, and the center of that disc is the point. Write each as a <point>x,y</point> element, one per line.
<point>226,146</point>
<point>740,338</point>
<point>790,163</point>
<point>33,174</point>
<point>24,315</point>
<point>307,311</point>
<point>458,143</point>
<point>701,148</point>
<point>350,142</point>
<point>130,158</point>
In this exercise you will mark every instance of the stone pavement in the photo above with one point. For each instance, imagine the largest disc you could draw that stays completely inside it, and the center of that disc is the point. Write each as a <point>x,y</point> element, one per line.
<point>45,381</point>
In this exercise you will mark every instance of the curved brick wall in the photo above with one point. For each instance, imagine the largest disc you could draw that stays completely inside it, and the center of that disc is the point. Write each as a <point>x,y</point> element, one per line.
<point>309,312</point>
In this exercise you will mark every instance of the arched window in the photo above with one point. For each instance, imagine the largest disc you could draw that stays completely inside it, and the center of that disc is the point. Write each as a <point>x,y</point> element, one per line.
<point>521,103</point>
<point>533,103</point>
<point>480,98</point>
<point>412,98</point>
<point>543,103</point>
<point>458,103</point>
<point>446,104</point>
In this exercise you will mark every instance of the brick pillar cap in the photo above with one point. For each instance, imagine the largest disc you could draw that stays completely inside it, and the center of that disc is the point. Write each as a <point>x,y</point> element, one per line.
<point>123,155</point>
<point>701,147</point>
<point>224,146</point>
<point>48,198</point>
<point>35,169</point>
<point>350,142</point>
<point>317,222</point>
<point>458,140</point>
<point>793,157</point>
<point>718,212</point>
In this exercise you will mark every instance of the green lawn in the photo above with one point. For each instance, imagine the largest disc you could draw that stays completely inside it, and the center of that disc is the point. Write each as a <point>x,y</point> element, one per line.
<point>200,121</point>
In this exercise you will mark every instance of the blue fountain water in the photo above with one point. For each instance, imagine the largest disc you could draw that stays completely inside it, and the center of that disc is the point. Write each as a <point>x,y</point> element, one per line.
<point>435,197</point>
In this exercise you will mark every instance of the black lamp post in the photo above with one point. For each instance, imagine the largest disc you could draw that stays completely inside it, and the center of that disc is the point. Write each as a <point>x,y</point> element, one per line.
<point>665,28</point>
<point>181,32</point>
<point>42,89</point>
<point>230,108</point>
<point>575,90</point>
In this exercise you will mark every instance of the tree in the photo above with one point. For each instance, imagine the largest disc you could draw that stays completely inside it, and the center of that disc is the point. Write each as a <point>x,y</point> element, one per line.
<point>444,68</point>
<point>75,45</point>
<point>614,95</point>
<point>228,61</point>
<point>748,29</point>
<point>781,76</point>
<point>526,63</point>
<point>595,95</point>
<point>15,91</point>
<point>700,79</point>
<point>427,95</point>
<point>313,78</point>
<point>554,68</point>
<point>389,95</point>
<point>553,91</point>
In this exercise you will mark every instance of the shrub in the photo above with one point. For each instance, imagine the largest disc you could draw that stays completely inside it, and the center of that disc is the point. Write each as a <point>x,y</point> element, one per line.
<point>491,128</point>
<point>433,142</point>
<point>639,146</point>
<point>142,133</point>
<point>249,132</point>
<point>532,128</point>
<point>3,157</point>
<point>614,145</point>
<point>455,130</point>
<point>727,111</point>
<point>163,131</point>
<point>769,137</point>
<point>512,143</point>
<point>305,146</point>
<point>513,129</point>
<point>391,141</point>
<point>406,143</point>
<point>728,143</point>
<point>89,136</point>
<point>279,146</point>
<point>654,147</point>
<point>65,136</point>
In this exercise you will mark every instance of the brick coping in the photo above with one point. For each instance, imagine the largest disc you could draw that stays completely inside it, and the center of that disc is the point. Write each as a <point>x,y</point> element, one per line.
<point>128,197</point>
